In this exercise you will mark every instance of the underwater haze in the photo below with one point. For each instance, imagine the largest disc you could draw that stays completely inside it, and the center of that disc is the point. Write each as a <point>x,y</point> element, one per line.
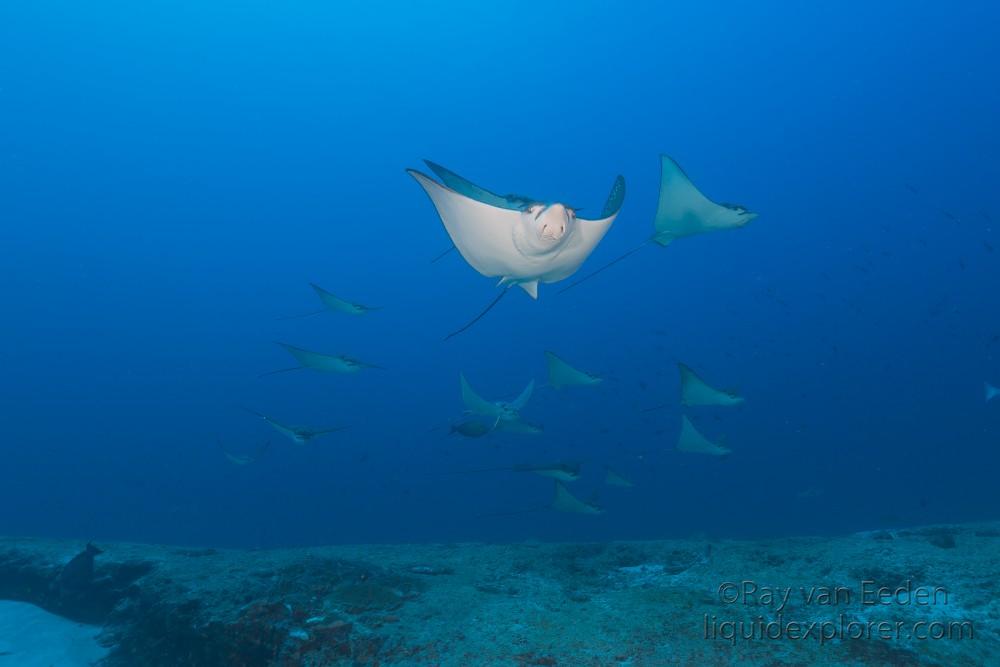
<point>173,176</point>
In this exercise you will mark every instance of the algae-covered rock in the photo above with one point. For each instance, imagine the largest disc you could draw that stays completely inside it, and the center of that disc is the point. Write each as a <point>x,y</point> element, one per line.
<point>653,603</point>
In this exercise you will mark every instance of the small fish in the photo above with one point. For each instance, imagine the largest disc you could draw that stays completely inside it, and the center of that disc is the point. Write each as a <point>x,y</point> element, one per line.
<point>991,392</point>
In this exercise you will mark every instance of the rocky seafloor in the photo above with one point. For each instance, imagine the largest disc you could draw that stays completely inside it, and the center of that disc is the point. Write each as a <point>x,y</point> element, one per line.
<point>675,602</point>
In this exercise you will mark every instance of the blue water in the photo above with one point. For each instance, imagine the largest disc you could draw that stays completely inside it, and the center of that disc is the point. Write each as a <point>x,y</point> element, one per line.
<point>173,175</point>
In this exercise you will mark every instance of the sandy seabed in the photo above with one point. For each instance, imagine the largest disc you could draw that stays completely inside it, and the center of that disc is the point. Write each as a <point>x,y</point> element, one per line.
<point>33,637</point>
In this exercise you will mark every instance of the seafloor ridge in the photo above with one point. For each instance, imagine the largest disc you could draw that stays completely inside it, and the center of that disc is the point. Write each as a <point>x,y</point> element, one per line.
<point>675,602</point>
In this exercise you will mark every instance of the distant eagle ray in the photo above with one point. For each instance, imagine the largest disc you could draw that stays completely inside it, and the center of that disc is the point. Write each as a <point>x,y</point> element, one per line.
<point>682,211</point>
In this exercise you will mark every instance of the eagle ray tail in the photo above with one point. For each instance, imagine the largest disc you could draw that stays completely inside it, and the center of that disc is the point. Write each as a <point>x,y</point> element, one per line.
<point>281,370</point>
<point>299,317</point>
<point>480,315</point>
<point>540,508</point>
<point>440,256</point>
<point>606,266</point>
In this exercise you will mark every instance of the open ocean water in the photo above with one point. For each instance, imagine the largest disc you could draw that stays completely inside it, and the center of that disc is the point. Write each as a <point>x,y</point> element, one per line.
<point>241,244</point>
